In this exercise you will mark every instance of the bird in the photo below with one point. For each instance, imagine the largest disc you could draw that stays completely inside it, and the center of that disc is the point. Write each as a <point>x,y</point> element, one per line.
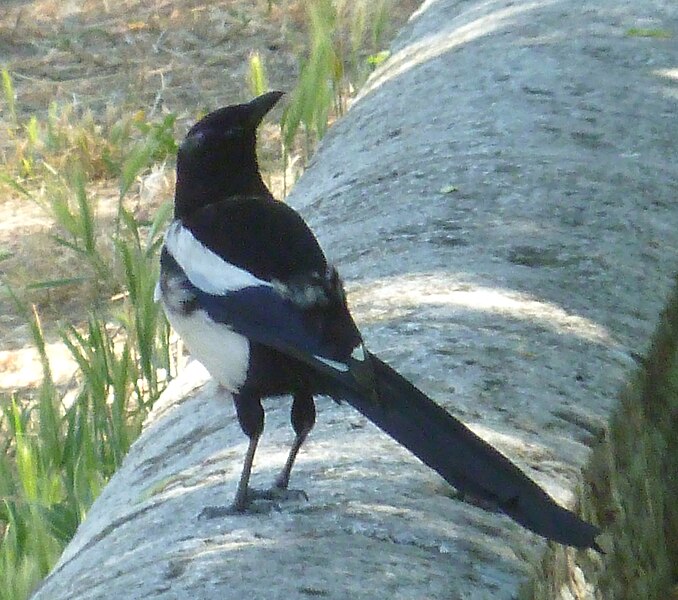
<point>246,285</point>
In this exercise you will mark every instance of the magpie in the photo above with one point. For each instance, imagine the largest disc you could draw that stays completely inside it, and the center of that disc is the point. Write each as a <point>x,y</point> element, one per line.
<point>245,283</point>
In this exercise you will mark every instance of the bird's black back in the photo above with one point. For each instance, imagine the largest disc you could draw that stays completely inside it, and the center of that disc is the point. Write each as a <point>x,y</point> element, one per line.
<point>260,234</point>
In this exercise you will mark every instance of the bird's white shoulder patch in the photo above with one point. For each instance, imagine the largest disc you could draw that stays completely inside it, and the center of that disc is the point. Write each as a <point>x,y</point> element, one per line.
<point>205,269</point>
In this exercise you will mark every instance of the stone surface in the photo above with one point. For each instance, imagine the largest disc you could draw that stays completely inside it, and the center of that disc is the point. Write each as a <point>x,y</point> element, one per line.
<point>501,201</point>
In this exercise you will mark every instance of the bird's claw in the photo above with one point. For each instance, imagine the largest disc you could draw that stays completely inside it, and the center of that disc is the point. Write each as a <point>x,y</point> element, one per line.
<point>277,494</point>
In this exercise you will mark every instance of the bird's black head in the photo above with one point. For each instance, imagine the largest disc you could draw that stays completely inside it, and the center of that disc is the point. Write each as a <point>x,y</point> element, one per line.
<point>217,159</point>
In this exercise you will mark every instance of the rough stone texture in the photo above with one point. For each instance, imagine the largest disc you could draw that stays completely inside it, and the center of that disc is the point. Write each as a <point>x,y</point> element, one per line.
<point>501,200</point>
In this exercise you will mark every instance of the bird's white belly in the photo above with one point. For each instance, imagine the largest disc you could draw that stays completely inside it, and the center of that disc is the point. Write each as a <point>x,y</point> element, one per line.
<point>224,353</point>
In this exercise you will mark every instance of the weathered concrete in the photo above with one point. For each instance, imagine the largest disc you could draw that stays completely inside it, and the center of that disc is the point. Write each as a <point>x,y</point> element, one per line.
<point>501,200</point>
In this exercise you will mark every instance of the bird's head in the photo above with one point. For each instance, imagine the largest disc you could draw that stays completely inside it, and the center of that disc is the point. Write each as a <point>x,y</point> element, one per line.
<point>217,159</point>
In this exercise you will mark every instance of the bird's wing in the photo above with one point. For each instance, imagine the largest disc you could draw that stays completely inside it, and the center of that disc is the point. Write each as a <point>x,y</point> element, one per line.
<point>263,315</point>
<point>289,299</point>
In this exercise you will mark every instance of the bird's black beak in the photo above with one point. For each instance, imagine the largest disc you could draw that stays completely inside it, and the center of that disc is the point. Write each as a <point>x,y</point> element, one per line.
<point>261,105</point>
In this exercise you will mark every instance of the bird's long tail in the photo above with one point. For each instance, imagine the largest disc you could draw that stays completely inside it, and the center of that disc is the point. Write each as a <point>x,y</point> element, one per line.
<point>465,460</point>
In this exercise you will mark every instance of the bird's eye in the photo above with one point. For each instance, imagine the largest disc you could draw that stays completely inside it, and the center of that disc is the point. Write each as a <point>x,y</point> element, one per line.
<point>193,141</point>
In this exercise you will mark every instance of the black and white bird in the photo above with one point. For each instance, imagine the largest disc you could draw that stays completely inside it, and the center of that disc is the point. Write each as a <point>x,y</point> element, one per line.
<point>245,284</point>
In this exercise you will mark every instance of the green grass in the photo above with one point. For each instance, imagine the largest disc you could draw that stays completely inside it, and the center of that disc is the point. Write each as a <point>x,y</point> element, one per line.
<point>631,488</point>
<point>60,447</point>
<point>59,450</point>
<point>59,455</point>
<point>70,137</point>
<point>345,44</point>
<point>56,164</point>
<point>258,81</point>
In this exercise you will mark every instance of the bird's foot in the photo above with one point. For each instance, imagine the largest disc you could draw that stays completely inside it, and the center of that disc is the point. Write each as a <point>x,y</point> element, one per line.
<point>256,502</point>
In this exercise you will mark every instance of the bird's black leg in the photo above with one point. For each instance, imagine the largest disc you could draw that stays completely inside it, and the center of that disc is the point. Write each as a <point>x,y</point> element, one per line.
<point>241,500</point>
<point>251,418</point>
<point>303,420</point>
